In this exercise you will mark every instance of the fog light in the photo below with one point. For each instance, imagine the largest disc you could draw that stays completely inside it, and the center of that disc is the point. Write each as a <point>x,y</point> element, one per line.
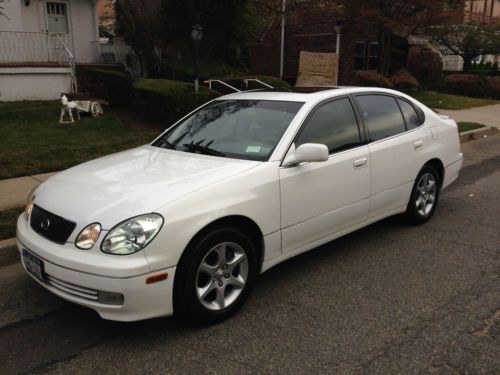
<point>111,298</point>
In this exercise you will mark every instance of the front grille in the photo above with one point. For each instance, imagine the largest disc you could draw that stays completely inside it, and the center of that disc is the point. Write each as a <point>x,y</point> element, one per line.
<point>51,226</point>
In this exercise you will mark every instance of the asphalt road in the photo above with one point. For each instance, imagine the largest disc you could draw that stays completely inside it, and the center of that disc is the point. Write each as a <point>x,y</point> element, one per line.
<point>386,299</point>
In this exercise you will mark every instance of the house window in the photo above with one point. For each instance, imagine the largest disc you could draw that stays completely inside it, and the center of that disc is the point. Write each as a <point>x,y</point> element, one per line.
<point>366,55</point>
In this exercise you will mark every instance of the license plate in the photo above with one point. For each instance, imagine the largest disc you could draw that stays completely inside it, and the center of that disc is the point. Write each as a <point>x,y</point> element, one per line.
<point>33,264</point>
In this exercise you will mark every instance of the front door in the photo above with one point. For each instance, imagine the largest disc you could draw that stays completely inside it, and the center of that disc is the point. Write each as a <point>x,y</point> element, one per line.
<point>319,200</point>
<point>57,17</point>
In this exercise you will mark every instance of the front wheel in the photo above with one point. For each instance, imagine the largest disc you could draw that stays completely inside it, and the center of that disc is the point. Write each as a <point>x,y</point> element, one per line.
<point>215,276</point>
<point>424,196</point>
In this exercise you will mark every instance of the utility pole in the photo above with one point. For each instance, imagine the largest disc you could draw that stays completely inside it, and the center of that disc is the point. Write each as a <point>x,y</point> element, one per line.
<point>282,51</point>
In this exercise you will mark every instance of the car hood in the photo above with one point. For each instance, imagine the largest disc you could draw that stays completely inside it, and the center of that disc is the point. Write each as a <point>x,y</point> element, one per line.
<point>116,187</point>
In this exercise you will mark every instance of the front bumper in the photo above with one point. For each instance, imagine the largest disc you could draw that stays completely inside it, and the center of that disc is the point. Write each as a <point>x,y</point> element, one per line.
<point>140,300</point>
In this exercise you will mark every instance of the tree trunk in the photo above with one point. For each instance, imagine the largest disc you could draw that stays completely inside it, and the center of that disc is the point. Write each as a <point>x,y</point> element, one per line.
<point>467,63</point>
<point>384,38</point>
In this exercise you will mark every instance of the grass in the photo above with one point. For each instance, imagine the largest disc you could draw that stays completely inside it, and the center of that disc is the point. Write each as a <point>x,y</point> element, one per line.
<point>438,100</point>
<point>465,126</point>
<point>8,220</point>
<point>33,141</point>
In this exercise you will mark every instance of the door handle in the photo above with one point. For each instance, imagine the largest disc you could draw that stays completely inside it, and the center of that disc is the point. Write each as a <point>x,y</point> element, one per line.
<point>360,162</point>
<point>418,144</point>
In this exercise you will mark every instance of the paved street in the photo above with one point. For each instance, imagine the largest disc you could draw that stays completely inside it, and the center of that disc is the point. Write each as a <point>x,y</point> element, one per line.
<point>386,299</point>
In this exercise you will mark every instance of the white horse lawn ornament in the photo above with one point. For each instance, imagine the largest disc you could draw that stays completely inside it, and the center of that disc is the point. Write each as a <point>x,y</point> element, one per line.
<point>68,107</point>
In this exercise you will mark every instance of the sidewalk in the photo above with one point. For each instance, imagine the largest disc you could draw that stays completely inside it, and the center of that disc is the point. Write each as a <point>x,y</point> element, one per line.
<point>14,191</point>
<point>488,115</point>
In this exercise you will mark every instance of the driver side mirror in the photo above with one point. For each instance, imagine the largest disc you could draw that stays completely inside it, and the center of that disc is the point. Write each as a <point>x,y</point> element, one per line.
<point>306,153</point>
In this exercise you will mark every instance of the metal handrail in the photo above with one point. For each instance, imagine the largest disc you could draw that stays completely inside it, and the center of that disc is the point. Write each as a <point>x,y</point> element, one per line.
<point>209,81</point>
<point>70,60</point>
<point>246,81</point>
<point>116,51</point>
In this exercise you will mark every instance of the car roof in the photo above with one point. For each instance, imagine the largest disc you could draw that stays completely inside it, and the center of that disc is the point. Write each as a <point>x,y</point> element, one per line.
<point>304,97</point>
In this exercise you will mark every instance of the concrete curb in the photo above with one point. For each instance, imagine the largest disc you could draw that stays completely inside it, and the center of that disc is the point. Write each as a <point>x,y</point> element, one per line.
<point>476,134</point>
<point>8,252</point>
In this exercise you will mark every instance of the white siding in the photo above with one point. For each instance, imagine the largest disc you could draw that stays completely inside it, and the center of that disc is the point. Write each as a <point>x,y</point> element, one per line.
<point>33,83</point>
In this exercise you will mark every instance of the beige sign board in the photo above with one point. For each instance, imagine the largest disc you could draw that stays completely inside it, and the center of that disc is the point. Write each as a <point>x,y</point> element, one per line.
<point>317,69</point>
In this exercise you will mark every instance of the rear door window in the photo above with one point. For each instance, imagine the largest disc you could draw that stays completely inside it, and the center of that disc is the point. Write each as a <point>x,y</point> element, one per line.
<point>381,115</point>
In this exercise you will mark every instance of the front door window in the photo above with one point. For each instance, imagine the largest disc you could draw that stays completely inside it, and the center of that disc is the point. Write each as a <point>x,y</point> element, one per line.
<point>57,17</point>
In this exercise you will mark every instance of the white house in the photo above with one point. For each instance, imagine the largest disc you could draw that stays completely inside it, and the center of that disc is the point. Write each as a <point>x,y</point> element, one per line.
<point>40,42</point>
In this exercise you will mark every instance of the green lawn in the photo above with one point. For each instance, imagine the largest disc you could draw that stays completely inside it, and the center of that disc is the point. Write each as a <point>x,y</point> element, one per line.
<point>438,100</point>
<point>32,140</point>
<point>464,126</point>
<point>8,219</point>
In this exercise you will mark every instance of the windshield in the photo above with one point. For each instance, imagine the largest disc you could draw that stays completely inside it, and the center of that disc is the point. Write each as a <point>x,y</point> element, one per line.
<point>243,129</point>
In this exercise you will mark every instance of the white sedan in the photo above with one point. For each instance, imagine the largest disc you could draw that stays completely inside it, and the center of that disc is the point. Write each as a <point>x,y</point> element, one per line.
<point>185,224</point>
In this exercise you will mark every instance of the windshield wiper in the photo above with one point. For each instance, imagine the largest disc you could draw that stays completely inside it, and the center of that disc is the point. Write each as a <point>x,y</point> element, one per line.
<point>164,144</point>
<point>193,147</point>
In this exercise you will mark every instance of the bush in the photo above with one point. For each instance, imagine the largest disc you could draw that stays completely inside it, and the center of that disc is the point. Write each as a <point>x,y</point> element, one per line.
<point>494,87</point>
<point>370,78</point>
<point>404,81</point>
<point>485,68</point>
<point>465,84</point>
<point>167,101</point>
<point>425,64</point>
<point>473,85</point>
<point>115,87</point>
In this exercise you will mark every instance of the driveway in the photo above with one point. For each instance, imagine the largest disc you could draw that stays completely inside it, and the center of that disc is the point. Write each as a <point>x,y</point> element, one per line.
<point>488,115</point>
<point>387,299</point>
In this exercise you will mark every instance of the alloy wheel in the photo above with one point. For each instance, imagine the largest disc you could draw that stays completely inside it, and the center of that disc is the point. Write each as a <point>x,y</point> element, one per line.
<point>426,194</point>
<point>222,276</point>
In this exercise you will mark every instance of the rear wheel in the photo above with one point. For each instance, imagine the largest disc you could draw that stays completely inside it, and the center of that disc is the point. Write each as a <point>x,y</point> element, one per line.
<point>424,196</point>
<point>215,276</point>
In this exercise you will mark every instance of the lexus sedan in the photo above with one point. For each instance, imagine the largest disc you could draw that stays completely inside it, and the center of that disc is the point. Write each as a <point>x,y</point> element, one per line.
<point>185,224</point>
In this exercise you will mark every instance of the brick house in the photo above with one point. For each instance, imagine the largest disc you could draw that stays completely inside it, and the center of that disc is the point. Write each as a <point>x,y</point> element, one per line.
<point>310,26</point>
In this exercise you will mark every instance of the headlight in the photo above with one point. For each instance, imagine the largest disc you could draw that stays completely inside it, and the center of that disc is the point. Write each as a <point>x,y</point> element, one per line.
<point>132,235</point>
<point>29,206</point>
<point>88,236</point>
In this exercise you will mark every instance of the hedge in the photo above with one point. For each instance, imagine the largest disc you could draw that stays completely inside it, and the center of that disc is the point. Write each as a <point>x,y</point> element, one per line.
<point>157,99</point>
<point>113,86</point>
<point>404,81</point>
<point>370,78</point>
<point>472,85</point>
<point>166,100</point>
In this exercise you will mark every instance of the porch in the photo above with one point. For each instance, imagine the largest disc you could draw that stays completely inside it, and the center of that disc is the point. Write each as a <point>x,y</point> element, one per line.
<point>46,60</point>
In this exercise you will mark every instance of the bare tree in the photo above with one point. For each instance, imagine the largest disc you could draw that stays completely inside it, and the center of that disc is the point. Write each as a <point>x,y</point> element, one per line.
<point>401,18</point>
<point>2,10</point>
<point>468,40</point>
<point>139,22</point>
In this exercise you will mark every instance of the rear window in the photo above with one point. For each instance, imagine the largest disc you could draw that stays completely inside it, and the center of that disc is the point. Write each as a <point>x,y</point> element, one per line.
<point>411,117</point>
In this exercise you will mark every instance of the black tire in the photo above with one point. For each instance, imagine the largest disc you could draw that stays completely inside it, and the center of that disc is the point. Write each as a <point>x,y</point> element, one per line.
<point>415,214</point>
<point>187,304</point>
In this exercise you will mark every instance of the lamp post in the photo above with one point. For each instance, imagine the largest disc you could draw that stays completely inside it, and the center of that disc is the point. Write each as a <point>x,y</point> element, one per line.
<point>338,29</point>
<point>196,36</point>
